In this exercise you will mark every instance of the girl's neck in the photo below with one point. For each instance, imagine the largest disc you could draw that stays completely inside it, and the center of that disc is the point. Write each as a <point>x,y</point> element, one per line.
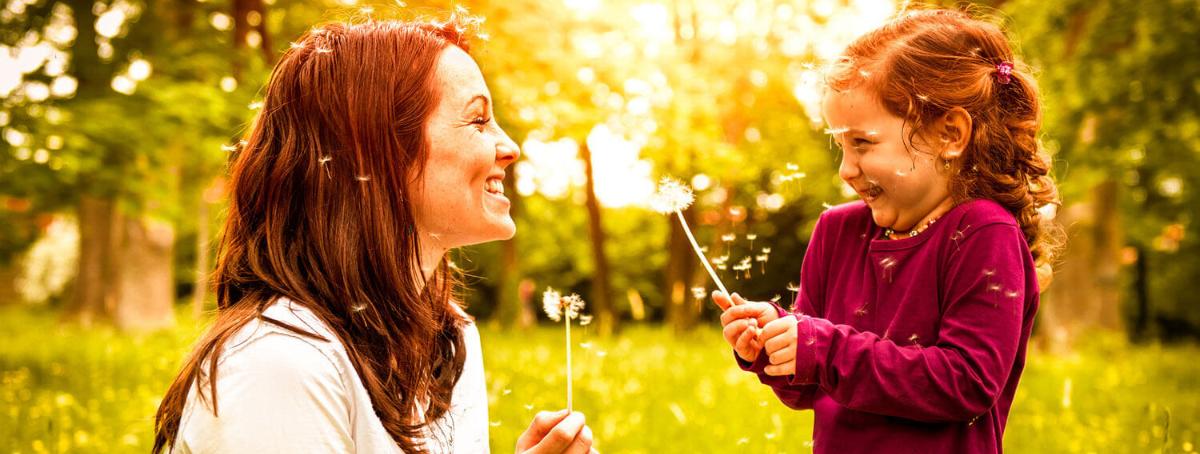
<point>926,221</point>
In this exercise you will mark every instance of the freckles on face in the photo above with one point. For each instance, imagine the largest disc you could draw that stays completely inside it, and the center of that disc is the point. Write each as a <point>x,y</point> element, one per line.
<point>460,197</point>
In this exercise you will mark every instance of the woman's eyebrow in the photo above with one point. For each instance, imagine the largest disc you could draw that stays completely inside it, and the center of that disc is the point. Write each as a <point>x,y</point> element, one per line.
<point>475,98</point>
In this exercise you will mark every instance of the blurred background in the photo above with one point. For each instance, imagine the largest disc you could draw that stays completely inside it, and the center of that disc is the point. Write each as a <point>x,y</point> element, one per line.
<point>118,117</point>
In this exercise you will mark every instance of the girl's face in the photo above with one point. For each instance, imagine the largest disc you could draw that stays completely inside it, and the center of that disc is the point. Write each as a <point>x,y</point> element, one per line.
<point>460,198</point>
<point>902,182</point>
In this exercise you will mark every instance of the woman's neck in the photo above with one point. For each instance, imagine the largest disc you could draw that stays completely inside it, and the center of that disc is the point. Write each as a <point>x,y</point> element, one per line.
<point>431,257</point>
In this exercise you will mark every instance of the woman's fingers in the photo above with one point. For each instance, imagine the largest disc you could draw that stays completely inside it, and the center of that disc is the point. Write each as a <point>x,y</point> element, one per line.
<point>582,443</point>
<point>722,300</point>
<point>542,423</point>
<point>560,437</point>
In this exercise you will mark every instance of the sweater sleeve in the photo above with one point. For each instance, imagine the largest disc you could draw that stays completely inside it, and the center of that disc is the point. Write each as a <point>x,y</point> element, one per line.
<point>957,378</point>
<point>277,393</point>
<point>797,396</point>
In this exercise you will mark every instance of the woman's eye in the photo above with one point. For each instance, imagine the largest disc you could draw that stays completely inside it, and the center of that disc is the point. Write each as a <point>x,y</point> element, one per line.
<point>481,121</point>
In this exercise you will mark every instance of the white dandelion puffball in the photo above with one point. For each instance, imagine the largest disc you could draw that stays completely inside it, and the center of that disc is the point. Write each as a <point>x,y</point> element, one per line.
<point>672,195</point>
<point>552,304</point>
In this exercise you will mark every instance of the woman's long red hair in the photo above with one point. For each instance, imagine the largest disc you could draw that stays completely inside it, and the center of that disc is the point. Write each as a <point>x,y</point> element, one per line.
<point>319,213</point>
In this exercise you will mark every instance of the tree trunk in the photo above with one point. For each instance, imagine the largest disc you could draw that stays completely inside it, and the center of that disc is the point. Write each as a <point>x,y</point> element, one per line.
<point>681,272</point>
<point>144,281</point>
<point>92,292</point>
<point>606,320</point>
<point>8,282</point>
<point>1085,295</point>
<point>202,282</point>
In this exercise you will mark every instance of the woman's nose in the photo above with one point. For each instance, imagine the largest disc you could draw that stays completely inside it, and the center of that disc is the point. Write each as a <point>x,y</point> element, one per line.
<point>507,151</point>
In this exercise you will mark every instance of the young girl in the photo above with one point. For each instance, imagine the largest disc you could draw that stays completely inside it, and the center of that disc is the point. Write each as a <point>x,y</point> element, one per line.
<point>375,152</point>
<point>916,303</point>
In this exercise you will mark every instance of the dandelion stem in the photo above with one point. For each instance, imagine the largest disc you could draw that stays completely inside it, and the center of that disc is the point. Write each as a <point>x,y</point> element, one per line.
<point>567,321</point>
<point>703,259</point>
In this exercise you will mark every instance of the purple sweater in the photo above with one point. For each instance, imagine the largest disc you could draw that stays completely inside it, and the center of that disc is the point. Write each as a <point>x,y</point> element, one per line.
<point>911,345</point>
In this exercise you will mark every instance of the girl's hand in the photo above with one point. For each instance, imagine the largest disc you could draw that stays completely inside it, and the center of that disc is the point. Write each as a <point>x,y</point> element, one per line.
<point>740,323</point>
<point>554,433</point>
<point>779,340</point>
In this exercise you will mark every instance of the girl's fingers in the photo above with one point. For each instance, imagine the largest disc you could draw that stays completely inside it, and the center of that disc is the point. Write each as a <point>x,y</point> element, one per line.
<point>778,370</point>
<point>783,355</point>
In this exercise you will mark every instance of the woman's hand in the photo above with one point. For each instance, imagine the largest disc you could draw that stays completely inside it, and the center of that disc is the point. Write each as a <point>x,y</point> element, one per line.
<point>556,432</point>
<point>779,340</point>
<point>740,323</point>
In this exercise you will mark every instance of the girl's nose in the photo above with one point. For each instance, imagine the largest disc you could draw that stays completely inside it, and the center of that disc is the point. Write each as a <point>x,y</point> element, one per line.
<point>848,170</point>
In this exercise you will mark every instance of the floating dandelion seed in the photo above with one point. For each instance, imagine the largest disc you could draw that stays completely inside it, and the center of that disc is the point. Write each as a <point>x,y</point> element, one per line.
<point>792,167</point>
<point>729,237</point>
<point>923,98</point>
<point>826,205</point>
<point>762,262</point>
<point>751,237</point>
<point>989,272</point>
<point>325,160</point>
<point>363,178</point>
<point>889,265</point>
<point>255,105</point>
<point>367,10</point>
<point>585,320</point>
<point>1012,294</point>
<point>529,406</point>
<point>495,423</point>
<point>836,131</point>
<point>864,73</point>
<point>993,287</point>
<point>585,345</point>
<point>795,289</point>
<point>674,196</point>
<point>563,308</point>
<point>901,173</point>
<point>699,292</point>
<point>229,148</point>
<point>358,307</point>
<point>914,338</point>
<point>872,133</point>
<point>776,298</point>
<point>766,250</point>
<point>507,391</point>
<point>297,46</point>
<point>324,50</point>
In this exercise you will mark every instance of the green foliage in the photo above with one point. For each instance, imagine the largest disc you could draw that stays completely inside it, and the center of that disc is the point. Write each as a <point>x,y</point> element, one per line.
<point>74,390</point>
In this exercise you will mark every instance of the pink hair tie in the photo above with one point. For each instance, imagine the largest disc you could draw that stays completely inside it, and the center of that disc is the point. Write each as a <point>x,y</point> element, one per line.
<point>1004,72</point>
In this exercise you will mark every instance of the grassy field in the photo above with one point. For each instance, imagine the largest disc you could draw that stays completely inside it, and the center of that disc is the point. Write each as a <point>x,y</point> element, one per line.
<point>647,391</point>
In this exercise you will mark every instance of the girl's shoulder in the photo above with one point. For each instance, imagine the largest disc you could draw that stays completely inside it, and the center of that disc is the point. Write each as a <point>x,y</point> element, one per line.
<point>978,213</point>
<point>849,213</point>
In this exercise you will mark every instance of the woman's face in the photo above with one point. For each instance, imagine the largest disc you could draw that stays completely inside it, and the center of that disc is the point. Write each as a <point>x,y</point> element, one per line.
<point>459,199</point>
<point>901,184</point>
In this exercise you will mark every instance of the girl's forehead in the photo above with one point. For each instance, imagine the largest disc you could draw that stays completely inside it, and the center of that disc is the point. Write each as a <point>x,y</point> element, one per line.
<point>854,109</point>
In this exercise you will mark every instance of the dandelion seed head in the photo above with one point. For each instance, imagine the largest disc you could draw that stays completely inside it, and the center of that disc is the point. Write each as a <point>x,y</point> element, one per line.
<point>572,305</point>
<point>552,304</point>
<point>672,195</point>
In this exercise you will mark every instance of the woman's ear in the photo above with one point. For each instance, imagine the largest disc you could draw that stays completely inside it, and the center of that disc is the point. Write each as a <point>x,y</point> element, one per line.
<point>954,129</point>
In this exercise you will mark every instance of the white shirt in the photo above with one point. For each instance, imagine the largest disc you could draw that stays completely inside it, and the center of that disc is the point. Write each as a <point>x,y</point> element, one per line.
<point>278,391</point>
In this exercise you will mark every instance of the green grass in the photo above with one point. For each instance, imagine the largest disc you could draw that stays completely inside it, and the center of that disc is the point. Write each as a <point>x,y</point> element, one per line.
<point>65,389</point>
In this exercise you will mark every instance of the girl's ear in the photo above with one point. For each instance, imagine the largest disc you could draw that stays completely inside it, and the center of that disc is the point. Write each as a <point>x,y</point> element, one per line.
<point>954,129</point>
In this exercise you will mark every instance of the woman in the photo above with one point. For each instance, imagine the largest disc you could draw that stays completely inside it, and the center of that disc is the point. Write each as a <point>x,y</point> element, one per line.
<point>374,153</point>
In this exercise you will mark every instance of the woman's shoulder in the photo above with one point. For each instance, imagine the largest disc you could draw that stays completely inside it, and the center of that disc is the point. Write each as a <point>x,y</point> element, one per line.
<point>287,340</point>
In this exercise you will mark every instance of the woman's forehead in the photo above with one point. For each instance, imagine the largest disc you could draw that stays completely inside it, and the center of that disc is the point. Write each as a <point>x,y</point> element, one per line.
<point>459,77</point>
